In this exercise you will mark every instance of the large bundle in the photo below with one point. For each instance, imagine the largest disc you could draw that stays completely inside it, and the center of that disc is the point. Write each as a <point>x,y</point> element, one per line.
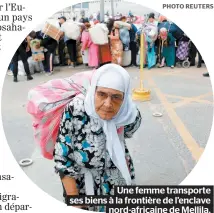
<point>99,34</point>
<point>79,54</point>
<point>150,27</point>
<point>52,29</point>
<point>46,104</point>
<point>72,30</point>
<point>121,24</point>
<point>21,69</point>
<point>124,37</point>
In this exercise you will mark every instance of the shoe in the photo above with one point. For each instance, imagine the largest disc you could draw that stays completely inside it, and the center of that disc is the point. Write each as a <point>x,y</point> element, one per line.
<point>74,64</point>
<point>192,65</point>
<point>49,73</point>
<point>206,74</point>
<point>10,73</point>
<point>29,77</point>
<point>172,67</point>
<point>15,79</point>
<point>199,66</point>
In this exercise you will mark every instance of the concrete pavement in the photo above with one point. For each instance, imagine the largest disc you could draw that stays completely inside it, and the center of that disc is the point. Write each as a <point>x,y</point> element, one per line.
<point>164,149</point>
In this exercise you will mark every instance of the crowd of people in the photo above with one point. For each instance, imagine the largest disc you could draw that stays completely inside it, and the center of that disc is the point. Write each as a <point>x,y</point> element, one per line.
<point>165,44</point>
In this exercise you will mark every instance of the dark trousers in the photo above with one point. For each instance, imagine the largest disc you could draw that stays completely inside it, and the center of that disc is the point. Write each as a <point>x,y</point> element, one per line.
<point>61,48</point>
<point>23,55</point>
<point>48,63</point>
<point>72,49</point>
<point>199,58</point>
<point>193,53</point>
<point>133,48</point>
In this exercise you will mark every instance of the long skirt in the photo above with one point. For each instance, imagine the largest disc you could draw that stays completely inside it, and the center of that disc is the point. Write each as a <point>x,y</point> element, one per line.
<point>116,51</point>
<point>105,54</point>
<point>93,55</point>
<point>151,58</point>
<point>169,55</point>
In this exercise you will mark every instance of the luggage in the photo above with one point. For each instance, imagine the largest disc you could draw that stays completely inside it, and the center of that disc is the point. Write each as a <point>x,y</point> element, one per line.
<point>138,58</point>
<point>21,69</point>
<point>99,34</point>
<point>125,37</point>
<point>37,54</point>
<point>46,104</point>
<point>52,29</point>
<point>56,60</point>
<point>38,66</point>
<point>79,60</point>
<point>85,57</point>
<point>126,59</point>
<point>182,50</point>
<point>72,30</point>
<point>121,24</point>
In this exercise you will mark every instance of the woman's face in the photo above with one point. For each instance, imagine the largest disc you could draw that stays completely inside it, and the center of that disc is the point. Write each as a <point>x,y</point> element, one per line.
<point>151,20</point>
<point>108,102</point>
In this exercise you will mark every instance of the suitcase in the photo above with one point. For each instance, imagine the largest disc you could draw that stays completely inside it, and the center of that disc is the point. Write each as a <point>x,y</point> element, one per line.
<point>85,57</point>
<point>138,58</point>
<point>126,58</point>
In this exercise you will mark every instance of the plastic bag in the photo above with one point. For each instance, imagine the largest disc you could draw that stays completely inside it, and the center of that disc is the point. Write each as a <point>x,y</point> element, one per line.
<point>21,70</point>
<point>99,34</point>
<point>72,30</point>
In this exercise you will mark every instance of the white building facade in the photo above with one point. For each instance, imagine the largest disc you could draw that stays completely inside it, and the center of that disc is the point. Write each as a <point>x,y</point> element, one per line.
<point>91,7</point>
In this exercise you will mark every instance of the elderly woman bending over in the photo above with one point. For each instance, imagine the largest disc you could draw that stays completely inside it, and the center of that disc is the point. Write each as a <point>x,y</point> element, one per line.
<point>91,155</point>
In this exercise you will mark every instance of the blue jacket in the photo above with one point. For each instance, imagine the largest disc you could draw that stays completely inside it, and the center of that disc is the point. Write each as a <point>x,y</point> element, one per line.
<point>133,32</point>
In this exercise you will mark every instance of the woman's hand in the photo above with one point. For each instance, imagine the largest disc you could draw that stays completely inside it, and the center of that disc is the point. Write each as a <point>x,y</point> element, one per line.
<point>27,49</point>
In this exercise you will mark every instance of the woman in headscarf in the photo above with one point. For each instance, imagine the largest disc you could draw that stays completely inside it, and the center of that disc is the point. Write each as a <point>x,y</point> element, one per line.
<point>162,19</point>
<point>115,43</point>
<point>87,43</point>
<point>91,154</point>
<point>166,48</point>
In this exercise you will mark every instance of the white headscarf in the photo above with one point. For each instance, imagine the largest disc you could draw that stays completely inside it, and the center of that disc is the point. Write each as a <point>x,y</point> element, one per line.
<point>115,77</point>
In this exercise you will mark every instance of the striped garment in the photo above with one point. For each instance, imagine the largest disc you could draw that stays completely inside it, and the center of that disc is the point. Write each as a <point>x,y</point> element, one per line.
<point>46,104</point>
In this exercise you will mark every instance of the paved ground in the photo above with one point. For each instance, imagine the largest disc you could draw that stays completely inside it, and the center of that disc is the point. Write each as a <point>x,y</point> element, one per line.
<point>164,150</point>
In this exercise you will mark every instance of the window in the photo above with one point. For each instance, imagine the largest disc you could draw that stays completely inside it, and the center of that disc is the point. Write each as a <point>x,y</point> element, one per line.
<point>77,6</point>
<point>85,5</point>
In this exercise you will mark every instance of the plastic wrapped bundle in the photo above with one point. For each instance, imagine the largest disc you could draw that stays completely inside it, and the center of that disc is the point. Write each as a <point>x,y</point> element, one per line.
<point>21,69</point>
<point>121,24</point>
<point>72,30</point>
<point>99,34</point>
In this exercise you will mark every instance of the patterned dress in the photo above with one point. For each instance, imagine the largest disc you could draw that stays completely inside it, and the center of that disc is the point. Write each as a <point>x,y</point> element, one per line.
<point>81,144</point>
<point>116,47</point>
